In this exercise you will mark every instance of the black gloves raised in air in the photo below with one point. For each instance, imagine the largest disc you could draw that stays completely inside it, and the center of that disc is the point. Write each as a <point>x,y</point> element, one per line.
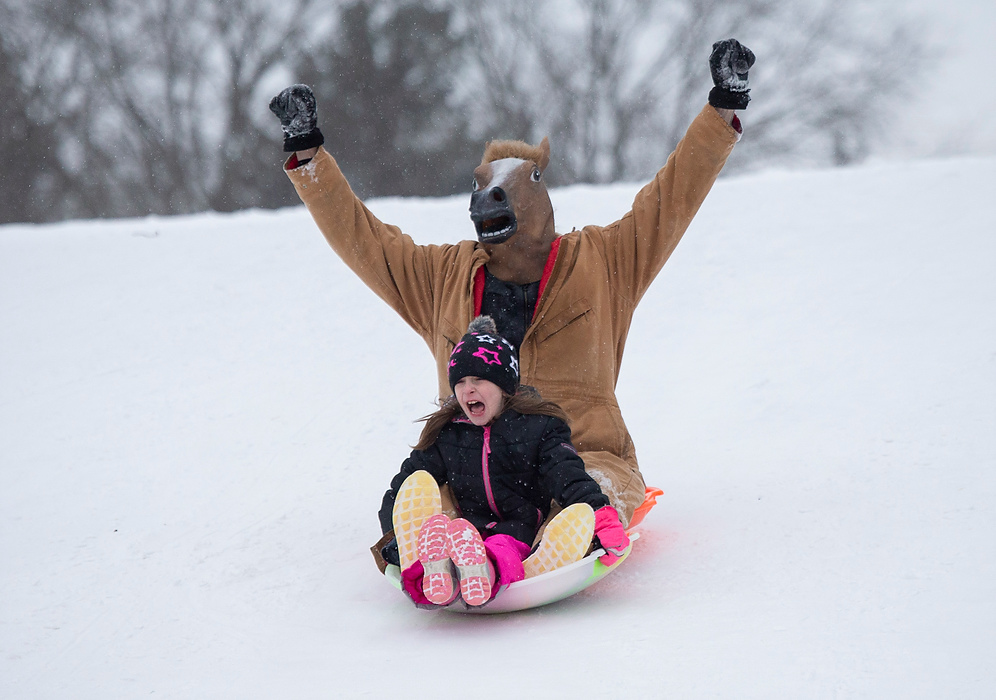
<point>298,114</point>
<point>729,63</point>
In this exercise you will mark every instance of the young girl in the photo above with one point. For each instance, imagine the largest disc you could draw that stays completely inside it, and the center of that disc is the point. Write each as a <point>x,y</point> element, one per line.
<point>505,453</point>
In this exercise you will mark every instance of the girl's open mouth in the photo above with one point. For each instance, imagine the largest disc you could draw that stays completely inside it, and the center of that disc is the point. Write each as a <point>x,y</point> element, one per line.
<point>476,408</point>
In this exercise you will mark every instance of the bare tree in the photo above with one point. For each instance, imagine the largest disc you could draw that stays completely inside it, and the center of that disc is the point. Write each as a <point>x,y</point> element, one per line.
<point>383,78</point>
<point>253,39</point>
<point>27,174</point>
<point>120,108</point>
<point>581,79</point>
<point>159,103</point>
<point>832,83</point>
<point>107,67</point>
<point>616,82</point>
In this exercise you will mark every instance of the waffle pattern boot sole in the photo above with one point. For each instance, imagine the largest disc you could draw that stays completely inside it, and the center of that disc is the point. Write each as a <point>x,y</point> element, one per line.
<point>471,560</point>
<point>565,541</point>
<point>417,500</point>
<point>434,553</point>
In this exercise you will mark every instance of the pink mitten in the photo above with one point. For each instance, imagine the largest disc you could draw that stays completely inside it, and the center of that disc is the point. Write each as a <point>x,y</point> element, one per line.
<point>611,534</point>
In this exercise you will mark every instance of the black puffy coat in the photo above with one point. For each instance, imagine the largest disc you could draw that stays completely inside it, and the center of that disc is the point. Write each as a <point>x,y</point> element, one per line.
<point>508,489</point>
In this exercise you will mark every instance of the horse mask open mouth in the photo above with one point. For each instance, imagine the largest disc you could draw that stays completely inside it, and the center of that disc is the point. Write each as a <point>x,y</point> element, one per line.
<point>492,215</point>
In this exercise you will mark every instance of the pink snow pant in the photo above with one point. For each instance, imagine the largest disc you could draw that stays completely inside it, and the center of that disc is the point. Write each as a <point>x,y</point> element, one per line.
<point>505,553</point>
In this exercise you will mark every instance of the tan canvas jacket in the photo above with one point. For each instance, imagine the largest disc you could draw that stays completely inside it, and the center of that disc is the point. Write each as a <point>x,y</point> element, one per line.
<point>573,349</point>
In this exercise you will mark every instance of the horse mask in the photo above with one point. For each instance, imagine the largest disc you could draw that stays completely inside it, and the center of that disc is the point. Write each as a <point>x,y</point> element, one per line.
<point>509,193</point>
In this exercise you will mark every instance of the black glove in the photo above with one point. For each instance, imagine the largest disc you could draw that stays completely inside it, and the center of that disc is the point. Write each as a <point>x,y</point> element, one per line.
<point>390,553</point>
<point>295,108</point>
<point>729,63</point>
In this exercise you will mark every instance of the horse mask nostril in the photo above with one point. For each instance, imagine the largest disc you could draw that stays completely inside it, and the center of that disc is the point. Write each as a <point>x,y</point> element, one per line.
<point>498,194</point>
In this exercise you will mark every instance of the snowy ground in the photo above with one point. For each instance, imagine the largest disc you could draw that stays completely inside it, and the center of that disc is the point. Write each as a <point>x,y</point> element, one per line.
<point>198,417</point>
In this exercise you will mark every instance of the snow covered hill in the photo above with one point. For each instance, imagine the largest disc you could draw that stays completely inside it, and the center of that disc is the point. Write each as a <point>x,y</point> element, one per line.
<point>198,417</point>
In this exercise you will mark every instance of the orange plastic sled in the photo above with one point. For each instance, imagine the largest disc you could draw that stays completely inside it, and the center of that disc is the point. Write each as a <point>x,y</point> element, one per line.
<point>649,501</point>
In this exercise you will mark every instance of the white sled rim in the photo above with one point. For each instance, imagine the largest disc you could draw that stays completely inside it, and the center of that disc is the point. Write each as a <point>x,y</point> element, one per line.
<point>551,587</point>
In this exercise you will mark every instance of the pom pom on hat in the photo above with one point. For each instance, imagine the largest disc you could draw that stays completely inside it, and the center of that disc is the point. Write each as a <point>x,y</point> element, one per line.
<point>482,324</point>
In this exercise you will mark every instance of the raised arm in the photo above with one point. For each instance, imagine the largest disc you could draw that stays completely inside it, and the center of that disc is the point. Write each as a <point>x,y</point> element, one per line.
<point>638,245</point>
<point>399,271</point>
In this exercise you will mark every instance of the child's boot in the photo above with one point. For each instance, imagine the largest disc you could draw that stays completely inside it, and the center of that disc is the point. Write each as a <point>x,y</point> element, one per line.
<point>433,552</point>
<point>417,500</point>
<point>565,541</point>
<point>468,554</point>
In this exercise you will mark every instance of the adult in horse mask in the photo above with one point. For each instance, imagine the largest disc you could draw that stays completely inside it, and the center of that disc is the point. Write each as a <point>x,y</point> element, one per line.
<point>566,301</point>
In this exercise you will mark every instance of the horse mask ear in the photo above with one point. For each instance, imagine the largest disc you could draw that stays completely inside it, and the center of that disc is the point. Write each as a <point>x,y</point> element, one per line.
<point>545,154</point>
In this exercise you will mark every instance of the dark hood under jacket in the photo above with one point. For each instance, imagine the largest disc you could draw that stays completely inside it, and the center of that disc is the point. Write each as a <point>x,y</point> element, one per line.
<point>503,475</point>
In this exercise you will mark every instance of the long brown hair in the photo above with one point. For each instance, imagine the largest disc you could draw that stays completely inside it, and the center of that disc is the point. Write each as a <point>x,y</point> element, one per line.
<point>526,401</point>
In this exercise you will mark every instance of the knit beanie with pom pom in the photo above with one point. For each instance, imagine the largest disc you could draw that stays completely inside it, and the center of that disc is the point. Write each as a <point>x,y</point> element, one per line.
<point>485,354</point>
